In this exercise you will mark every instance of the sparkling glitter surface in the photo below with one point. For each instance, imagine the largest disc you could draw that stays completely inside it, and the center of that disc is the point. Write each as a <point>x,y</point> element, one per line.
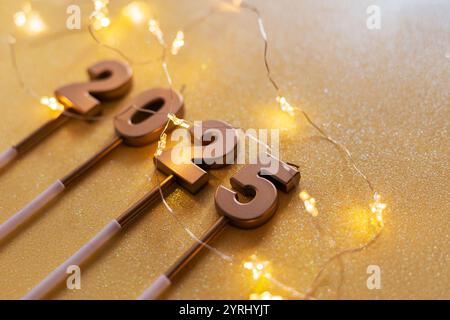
<point>383,93</point>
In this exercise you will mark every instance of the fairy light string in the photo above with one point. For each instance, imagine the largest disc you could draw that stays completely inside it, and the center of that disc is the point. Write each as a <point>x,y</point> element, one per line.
<point>49,101</point>
<point>100,19</point>
<point>132,11</point>
<point>28,19</point>
<point>12,41</point>
<point>100,16</point>
<point>376,207</point>
<point>309,202</point>
<point>122,54</point>
<point>261,270</point>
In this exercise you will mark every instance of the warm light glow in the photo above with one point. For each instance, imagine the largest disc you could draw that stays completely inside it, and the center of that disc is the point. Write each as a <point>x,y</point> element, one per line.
<point>363,224</point>
<point>100,4</point>
<point>153,27</point>
<point>35,24</point>
<point>178,43</point>
<point>261,273</point>
<point>285,106</point>
<point>377,207</point>
<point>163,139</point>
<point>105,22</point>
<point>100,15</point>
<point>28,19</point>
<point>52,103</point>
<point>258,268</point>
<point>136,11</point>
<point>100,21</point>
<point>272,118</point>
<point>178,122</point>
<point>20,18</point>
<point>266,295</point>
<point>310,203</point>
<point>161,145</point>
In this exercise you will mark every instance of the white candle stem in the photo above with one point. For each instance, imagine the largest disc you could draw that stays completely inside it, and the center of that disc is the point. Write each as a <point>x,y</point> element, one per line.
<point>7,156</point>
<point>59,275</point>
<point>158,287</point>
<point>13,223</point>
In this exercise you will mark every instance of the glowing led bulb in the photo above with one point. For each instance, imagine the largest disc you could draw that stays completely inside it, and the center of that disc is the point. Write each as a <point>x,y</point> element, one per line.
<point>153,27</point>
<point>377,207</point>
<point>100,16</point>
<point>177,121</point>
<point>20,18</point>
<point>52,103</point>
<point>178,43</point>
<point>266,295</point>
<point>135,11</point>
<point>35,24</point>
<point>28,19</point>
<point>258,268</point>
<point>100,4</point>
<point>161,144</point>
<point>101,21</point>
<point>310,203</point>
<point>285,106</point>
<point>163,139</point>
<point>105,22</point>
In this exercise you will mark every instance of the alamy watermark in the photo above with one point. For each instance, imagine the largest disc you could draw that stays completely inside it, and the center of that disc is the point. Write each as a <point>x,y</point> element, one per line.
<point>373,21</point>
<point>374,280</point>
<point>73,281</point>
<point>73,21</point>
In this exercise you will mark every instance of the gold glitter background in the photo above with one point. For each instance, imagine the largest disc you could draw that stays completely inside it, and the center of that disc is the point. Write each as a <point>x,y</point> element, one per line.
<point>384,94</point>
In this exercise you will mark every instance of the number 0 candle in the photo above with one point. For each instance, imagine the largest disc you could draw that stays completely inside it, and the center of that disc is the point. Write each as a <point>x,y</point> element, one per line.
<point>187,173</point>
<point>134,126</point>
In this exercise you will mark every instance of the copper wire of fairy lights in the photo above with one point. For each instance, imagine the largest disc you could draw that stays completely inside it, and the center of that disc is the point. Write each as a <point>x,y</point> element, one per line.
<point>376,207</point>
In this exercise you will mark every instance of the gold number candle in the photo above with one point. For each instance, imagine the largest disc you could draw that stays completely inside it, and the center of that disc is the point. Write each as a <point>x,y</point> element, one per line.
<point>134,127</point>
<point>109,80</point>
<point>188,174</point>
<point>254,180</point>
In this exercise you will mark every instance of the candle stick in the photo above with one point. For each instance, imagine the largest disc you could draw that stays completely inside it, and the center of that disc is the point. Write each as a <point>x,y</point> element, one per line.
<point>57,276</point>
<point>109,80</point>
<point>253,180</point>
<point>224,147</point>
<point>133,127</point>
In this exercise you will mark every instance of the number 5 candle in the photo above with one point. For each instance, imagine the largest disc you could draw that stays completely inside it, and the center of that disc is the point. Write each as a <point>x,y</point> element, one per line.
<point>188,174</point>
<point>255,181</point>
